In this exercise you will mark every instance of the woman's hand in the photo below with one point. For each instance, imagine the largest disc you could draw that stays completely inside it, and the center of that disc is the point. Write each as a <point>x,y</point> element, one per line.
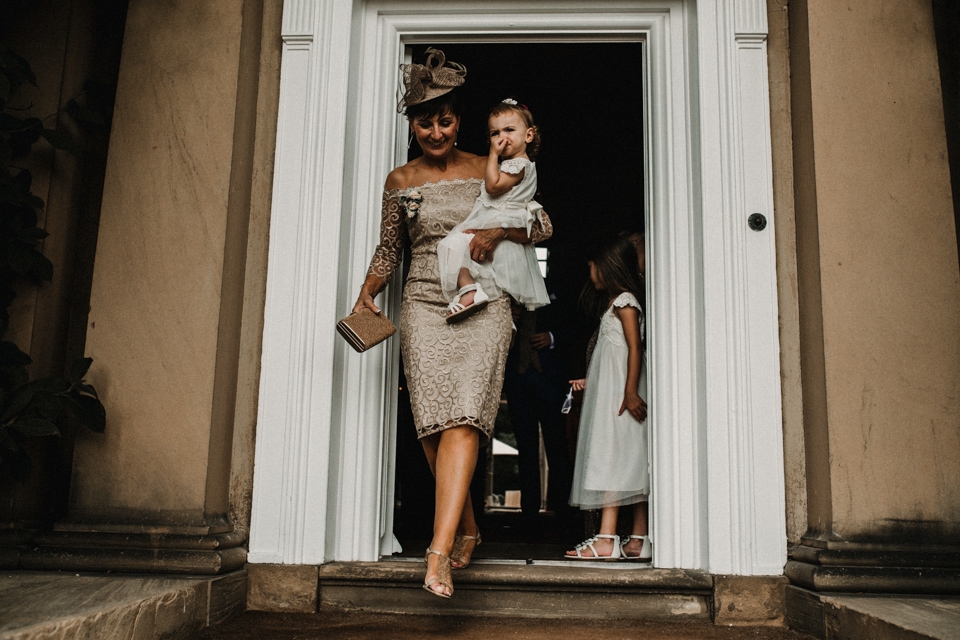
<point>368,292</point>
<point>580,384</point>
<point>484,243</point>
<point>365,300</point>
<point>635,405</point>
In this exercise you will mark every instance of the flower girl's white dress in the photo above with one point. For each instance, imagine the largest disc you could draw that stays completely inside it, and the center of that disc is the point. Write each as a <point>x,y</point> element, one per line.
<point>514,266</point>
<point>611,467</point>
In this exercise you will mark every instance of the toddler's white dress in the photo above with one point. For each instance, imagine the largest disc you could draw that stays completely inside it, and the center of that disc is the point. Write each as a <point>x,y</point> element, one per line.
<point>514,267</point>
<point>611,467</point>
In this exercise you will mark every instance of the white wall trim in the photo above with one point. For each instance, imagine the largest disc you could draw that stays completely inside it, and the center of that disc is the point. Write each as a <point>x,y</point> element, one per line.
<point>323,487</point>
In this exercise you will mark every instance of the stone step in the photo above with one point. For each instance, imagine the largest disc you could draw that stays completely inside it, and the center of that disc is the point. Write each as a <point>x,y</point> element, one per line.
<point>519,589</point>
<point>54,605</point>
<point>874,616</point>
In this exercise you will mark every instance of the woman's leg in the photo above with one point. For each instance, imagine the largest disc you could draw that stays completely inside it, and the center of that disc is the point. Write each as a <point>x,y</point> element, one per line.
<point>452,455</point>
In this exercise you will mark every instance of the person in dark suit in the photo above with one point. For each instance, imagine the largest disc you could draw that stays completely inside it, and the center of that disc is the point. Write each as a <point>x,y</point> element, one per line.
<point>535,386</point>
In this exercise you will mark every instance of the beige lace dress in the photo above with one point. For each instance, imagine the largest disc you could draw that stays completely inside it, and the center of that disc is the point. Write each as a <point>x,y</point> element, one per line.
<point>454,371</point>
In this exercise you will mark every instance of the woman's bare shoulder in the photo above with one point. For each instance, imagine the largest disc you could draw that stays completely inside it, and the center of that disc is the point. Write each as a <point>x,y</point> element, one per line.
<point>477,163</point>
<point>400,178</point>
<point>415,173</point>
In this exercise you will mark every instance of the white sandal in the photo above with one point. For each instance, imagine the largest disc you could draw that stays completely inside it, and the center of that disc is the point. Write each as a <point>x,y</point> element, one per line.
<point>646,552</point>
<point>460,312</point>
<point>588,544</point>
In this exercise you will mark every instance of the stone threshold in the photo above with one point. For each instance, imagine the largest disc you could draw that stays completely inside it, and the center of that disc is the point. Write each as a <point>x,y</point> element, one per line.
<point>521,589</point>
<point>56,604</point>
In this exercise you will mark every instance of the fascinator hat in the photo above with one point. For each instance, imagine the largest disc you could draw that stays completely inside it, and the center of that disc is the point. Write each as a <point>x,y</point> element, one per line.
<point>434,78</point>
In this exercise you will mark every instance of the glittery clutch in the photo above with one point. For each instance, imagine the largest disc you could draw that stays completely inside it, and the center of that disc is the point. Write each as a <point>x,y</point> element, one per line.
<point>365,329</point>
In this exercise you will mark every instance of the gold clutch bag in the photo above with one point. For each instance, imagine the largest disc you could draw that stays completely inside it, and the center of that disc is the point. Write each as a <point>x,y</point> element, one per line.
<point>365,329</point>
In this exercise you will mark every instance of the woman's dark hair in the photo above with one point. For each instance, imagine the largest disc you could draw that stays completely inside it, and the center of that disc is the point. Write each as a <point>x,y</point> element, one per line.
<point>533,148</point>
<point>616,263</point>
<point>448,103</point>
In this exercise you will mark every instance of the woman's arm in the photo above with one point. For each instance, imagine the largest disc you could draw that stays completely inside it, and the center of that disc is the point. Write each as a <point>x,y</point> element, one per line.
<point>632,402</point>
<point>387,256</point>
<point>485,241</point>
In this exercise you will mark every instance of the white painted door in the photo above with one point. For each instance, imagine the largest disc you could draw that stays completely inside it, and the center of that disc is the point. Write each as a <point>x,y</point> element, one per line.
<point>324,459</point>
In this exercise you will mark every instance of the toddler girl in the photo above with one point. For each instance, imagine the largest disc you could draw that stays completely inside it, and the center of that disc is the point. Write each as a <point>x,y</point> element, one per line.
<point>611,467</point>
<point>505,201</point>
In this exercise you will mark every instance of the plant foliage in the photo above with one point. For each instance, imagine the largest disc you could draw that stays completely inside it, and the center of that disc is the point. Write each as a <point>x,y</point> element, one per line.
<point>41,407</point>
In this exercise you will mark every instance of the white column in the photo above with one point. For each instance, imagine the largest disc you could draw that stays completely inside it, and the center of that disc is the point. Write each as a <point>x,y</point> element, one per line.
<point>743,492</point>
<point>294,445</point>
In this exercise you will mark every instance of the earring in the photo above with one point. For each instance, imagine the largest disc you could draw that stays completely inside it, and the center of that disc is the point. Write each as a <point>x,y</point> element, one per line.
<point>456,134</point>
<point>410,141</point>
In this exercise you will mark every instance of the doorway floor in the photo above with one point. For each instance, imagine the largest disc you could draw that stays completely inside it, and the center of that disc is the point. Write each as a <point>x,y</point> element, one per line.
<point>604,97</point>
<point>512,536</point>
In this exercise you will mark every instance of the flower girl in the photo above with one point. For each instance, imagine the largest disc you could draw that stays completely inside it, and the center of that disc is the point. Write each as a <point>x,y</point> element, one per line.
<point>611,468</point>
<point>505,202</point>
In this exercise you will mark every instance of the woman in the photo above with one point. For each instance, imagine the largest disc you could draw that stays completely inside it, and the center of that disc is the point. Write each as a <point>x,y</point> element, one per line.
<point>454,371</point>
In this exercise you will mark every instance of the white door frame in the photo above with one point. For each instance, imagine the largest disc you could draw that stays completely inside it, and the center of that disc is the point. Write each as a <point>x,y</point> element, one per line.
<point>323,483</point>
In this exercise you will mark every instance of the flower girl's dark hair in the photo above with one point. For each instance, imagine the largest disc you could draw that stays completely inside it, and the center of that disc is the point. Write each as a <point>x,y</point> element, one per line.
<point>616,263</point>
<point>510,104</point>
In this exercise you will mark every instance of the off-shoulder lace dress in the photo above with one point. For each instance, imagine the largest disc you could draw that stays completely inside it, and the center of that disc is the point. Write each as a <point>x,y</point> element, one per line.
<point>454,371</point>
<point>612,463</point>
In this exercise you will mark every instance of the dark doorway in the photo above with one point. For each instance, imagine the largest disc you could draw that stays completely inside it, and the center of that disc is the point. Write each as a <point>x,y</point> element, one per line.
<point>587,99</point>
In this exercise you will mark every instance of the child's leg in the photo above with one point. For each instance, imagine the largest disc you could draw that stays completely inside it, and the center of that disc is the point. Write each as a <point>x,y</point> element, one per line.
<point>463,279</point>
<point>640,518</point>
<point>608,527</point>
<point>640,514</point>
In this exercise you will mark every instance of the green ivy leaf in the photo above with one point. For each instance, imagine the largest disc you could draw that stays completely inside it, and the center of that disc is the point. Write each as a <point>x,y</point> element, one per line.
<point>36,427</point>
<point>20,258</point>
<point>18,66</point>
<point>60,140</point>
<point>42,268</point>
<point>16,402</point>
<point>48,385</point>
<point>88,411</point>
<point>49,406</point>
<point>32,234</point>
<point>11,354</point>
<point>87,389</point>
<point>78,369</point>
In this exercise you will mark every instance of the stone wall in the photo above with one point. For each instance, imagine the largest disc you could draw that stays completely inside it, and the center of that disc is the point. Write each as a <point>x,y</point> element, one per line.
<point>878,275</point>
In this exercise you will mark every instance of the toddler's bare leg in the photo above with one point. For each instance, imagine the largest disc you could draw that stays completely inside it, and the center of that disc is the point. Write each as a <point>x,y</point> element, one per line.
<point>463,279</point>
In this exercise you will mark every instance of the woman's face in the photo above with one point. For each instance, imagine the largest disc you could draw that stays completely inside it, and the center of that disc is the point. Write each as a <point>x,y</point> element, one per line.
<point>437,134</point>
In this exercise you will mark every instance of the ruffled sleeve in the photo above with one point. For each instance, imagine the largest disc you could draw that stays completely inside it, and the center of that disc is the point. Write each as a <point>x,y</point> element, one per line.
<point>626,299</point>
<point>393,233</point>
<point>514,166</point>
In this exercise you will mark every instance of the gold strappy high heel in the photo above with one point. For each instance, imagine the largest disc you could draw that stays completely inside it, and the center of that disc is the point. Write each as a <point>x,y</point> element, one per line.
<point>460,549</point>
<point>443,577</point>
